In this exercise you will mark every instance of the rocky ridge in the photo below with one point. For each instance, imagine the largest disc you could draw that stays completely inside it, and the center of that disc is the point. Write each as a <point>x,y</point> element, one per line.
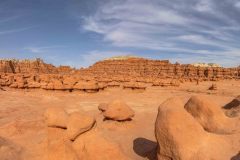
<point>131,73</point>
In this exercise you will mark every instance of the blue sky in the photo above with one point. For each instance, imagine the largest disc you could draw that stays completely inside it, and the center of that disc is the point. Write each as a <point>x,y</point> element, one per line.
<point>81,32</point>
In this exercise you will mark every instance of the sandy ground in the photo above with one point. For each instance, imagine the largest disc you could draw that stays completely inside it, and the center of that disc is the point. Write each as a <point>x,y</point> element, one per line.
<point>22,121</point>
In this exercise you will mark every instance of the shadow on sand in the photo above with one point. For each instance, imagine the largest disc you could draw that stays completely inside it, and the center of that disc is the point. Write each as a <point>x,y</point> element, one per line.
<point>145,148</point>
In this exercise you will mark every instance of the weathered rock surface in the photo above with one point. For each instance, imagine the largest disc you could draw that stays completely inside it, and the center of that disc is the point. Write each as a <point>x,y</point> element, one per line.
<point>78,123</point>
<point>118,111</point>
<point>131,73</point>
<point>90,145</point>
<point>9,150</point>
<point>93,146</point>
<point>181,137</point>
<point>56,117</point>
<point>58,146</point>
<point>210,115</point>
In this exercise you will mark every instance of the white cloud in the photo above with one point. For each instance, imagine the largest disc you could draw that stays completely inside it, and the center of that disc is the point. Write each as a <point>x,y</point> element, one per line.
<point>167,26</point>
<point>237,4</point>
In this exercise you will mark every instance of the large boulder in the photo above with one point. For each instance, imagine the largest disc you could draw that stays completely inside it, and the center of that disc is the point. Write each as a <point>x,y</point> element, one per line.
<point>119,111</point>
<point>56,117</point>
<point>77,124</point>
<point>181,137</point>
<point>210,115</point>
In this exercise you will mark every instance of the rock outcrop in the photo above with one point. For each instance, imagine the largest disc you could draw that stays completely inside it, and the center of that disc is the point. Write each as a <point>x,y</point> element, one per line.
<point>211,116</point>
<point>181,137</point>
<point>80,141</point>
<point>131,73</point>
<point>133,68</point>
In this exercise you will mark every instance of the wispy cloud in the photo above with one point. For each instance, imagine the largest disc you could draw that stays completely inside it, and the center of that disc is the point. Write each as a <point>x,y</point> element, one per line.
<point>192,26</point>
<point>43,48</point>
<point>14,30</point>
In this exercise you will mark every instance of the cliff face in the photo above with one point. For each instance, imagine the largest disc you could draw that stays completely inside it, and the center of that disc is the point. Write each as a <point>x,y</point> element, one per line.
<point>133,73</point>
<point>137,67</point>
<point>122,68</point>
<point>31,66</point>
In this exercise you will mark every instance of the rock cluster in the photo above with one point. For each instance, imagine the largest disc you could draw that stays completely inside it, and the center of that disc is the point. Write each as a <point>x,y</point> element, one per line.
<point>79,140</point>
<point>49,82</point>
<point>192,132</point>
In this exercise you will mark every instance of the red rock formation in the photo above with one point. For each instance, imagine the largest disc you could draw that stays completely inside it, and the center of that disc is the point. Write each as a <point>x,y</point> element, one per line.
<point>135,68</point>
<point>37,74</point>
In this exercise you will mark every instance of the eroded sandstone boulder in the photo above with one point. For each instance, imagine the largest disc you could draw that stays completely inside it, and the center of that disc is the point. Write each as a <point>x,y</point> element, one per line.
<point>78,123</point>
<point>118,111</point>
<point>210,115</point>
<point>181,137</point>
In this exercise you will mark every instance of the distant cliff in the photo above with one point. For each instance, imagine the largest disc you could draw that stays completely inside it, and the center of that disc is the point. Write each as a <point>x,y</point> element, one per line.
<point>127,67</point>
<point>145,68</point>
<point>31,66</point>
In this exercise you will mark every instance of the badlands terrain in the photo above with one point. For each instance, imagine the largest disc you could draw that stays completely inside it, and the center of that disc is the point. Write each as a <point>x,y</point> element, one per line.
<point>119,109</point>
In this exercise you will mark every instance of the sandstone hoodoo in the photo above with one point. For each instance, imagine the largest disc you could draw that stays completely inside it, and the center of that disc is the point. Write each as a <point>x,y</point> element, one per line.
<point>77,124</point>
<point>181,137</point>
<point>90,86</point>
<point>118,111</point>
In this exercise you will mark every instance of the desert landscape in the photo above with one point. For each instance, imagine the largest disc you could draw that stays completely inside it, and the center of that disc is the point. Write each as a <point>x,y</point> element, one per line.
<point>118,109</point>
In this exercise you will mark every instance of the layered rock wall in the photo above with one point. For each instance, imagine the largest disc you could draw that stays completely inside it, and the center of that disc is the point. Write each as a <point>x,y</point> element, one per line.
<point>138,67</point>
<point>31,66</point>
